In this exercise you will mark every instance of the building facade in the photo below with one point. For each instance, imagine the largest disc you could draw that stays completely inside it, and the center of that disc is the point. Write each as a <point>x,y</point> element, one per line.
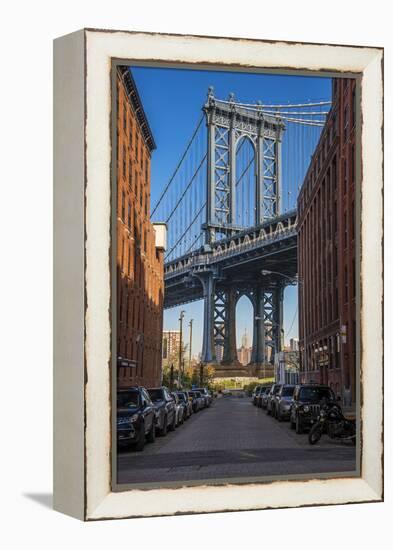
<point>140,245</point>
<point>326,251</point>
<point>170,347</point>
<point>286,367</point>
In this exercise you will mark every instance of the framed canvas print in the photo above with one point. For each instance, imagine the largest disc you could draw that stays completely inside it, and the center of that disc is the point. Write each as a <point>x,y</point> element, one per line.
<point>218,274</point>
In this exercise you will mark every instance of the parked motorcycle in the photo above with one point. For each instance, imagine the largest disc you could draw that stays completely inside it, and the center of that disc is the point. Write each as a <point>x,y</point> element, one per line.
<point>332,421</point>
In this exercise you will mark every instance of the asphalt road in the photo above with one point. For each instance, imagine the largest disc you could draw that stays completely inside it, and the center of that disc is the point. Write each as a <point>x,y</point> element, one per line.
<point>232,439</point>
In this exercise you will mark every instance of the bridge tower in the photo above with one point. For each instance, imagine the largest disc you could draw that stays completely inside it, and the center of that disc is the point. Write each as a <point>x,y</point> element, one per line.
<point>227,123</point>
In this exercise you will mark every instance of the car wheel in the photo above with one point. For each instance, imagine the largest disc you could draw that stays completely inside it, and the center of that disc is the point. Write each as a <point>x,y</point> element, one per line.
<point>139,446</point>
<point>164,428</point>
<point>267,411</point>
<point>298,426</point>
<point>291,422</point>
<point>278,415</point>
<point>315,434</point>
<point>151,436</point>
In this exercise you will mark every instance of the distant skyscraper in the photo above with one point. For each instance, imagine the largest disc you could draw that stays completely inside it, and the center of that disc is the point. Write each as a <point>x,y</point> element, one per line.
<point>244,352</point>
<point>294,344</point>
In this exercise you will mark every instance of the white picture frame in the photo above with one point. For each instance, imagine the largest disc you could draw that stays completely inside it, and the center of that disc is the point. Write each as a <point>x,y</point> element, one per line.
<point>82,256</point>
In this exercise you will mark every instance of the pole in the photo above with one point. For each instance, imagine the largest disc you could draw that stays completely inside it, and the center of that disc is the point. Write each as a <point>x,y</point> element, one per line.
<point>180,345</point>
<point>189,356</point>
<point>171,377</point>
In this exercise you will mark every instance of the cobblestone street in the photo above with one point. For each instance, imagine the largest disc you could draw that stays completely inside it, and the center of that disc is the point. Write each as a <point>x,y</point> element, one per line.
<point>232,438</point>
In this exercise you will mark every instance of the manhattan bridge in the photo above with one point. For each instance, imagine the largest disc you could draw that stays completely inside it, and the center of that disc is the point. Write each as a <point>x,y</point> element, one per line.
<point>230,210</point>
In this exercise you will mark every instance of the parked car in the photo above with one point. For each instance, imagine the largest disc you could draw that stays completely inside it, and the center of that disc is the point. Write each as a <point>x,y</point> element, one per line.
<point>183,396</point>
<point>135,418</point>
<point>260,394</point>
<point>254,395</point>
<point>165,406</point>
<point>179,409</point>
<point>201,398</point>
<point>205,394</point>
<point>283,402</point>
<point>262,402</point>
<point>195,401</point>
<point>306,403</point>
<point>270,402</point>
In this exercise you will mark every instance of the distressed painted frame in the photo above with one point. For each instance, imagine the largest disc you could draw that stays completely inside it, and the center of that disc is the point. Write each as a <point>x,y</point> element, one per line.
<point>82,241</point>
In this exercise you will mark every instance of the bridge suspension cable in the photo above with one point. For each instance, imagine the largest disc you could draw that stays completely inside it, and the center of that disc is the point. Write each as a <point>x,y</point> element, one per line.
<point>178,165</point>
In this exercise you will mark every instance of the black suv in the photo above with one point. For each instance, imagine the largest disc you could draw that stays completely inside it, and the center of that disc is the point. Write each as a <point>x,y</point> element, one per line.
<point>306,404</point>
<point>165,408</point>
<point>135,418</point>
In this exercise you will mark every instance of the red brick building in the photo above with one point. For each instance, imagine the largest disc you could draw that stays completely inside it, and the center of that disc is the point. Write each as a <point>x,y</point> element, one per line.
<point>326,244</point>
<point>139,254</point>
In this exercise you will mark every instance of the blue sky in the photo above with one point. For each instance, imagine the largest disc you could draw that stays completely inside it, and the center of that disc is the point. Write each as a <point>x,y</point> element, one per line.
<point>172,99</point>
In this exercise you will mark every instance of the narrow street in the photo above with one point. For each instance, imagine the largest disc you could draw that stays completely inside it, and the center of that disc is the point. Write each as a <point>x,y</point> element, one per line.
<point>233,439</point>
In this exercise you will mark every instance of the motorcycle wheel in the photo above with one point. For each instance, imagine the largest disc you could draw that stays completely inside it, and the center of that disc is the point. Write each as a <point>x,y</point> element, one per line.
<point>315,434</point>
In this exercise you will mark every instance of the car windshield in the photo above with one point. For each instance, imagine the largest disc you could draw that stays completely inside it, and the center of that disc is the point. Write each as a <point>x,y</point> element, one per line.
<point>191,394</point>
<point>287,391</point>
<point>128,399</point>
<point>276,389</point>
<point>156,395</point>
<point>315,394</point>
<point>266,390</point>
<point>181,396</point>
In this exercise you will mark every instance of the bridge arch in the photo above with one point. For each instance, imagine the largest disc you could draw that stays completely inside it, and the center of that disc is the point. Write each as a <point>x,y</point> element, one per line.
<point>245,167</point>
<point>244,327</point>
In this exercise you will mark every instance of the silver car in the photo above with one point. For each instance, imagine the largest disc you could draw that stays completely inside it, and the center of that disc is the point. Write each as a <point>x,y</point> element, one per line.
<point>270,402</point>
<point>283,402</point>
<point>179,409</point>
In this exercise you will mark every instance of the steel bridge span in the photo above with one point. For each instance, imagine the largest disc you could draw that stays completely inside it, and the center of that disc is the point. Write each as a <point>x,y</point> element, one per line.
<point>229,234</point>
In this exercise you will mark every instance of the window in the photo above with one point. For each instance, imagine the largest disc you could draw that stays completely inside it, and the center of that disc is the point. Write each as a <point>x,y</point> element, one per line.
<point>345,230</point>
<point>130,134</point>
<point>353,220</point>
<point>353,159</point>
<point>124,116</point>
<point>346,285</point>
<point>334,174</point>
<point>124,161</point>
<point>130,175</point>
<point>354,107</point>
<point>345,175</point>
<point>346,123</point>
<point>123,214</point>
<point>353,279</point>
<point>129,216</point>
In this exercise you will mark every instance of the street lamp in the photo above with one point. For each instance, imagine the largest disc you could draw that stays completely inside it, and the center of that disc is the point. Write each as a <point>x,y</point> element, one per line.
<point>181,344</point>
<point>189,356</point>
<point>298,281</point>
